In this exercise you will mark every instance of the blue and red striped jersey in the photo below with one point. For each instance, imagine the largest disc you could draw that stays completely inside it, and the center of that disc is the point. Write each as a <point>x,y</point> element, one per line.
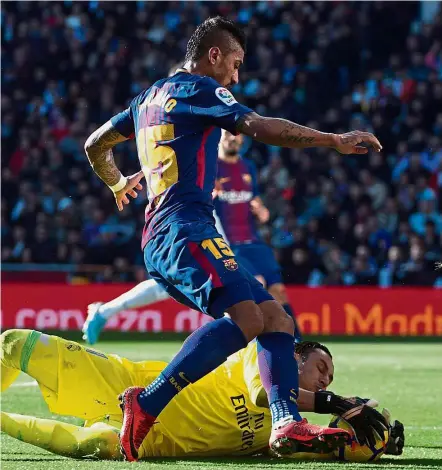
<point>236,186</point>
<point>177,125</point>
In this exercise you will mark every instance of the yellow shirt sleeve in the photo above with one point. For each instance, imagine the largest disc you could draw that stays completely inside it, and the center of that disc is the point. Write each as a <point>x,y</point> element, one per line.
<point>252,378</point>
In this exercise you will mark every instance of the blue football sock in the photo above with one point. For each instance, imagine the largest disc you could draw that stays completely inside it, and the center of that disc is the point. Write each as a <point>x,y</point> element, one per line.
<point>279,374</point>
<point>289,310</point>
<point>203,351</point>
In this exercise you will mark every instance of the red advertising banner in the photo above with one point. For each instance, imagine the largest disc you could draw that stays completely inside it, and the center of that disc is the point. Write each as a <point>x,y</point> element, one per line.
<point>321,311</point>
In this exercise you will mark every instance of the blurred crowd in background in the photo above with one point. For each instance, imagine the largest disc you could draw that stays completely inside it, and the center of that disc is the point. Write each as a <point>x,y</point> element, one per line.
<point>67,67</point>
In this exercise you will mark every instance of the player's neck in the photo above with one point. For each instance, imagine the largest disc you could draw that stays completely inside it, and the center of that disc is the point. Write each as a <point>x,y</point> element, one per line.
<point>229,158</point>
<point>196,68</point>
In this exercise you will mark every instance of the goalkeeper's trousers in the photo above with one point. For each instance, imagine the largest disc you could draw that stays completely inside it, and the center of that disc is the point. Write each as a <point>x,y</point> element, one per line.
<point>100,441</point>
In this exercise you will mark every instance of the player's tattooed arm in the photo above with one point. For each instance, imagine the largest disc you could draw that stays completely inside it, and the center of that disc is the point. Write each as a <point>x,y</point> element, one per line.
<point>98,148</point>
<point>284,133</point>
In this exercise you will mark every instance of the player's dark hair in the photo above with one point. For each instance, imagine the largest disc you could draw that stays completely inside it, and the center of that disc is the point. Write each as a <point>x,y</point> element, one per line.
<point>214,32</point>
<point>304,348</point>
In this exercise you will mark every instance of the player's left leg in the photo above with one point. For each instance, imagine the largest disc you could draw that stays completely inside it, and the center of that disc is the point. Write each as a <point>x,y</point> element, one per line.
<point>278,370</point>
<point>260,261</point>
<point>97,442</point>
<point>278,291</point>
<point>143,294</point>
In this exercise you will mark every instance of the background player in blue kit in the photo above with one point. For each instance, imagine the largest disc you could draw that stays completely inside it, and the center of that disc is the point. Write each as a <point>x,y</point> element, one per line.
<point>177,125</point>
<point>237,206</point>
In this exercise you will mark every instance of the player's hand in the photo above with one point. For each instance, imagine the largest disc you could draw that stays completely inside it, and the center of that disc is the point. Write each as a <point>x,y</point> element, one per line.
<point>358,412</point>
<point>132,184</point>
<point>396,435</point>
<point>396,441</point>
<point>259,211</point>
<point>366,421</point>
<point>348,143</point>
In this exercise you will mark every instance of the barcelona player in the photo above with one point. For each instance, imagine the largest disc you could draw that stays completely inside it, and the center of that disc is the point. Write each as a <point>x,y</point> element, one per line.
<point>237,205</point>
<point>177,124</point>
<point>225,413</point>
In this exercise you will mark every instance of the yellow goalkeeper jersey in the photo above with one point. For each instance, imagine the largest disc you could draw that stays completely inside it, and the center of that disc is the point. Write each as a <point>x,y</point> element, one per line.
<point>218,415</point>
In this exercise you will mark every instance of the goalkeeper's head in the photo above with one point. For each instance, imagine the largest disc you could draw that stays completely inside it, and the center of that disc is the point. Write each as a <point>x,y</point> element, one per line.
<point>315,365</point>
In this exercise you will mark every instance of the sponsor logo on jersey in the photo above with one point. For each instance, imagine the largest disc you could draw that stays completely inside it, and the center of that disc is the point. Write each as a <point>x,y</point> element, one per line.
<point>247,423</point>
<point>235,197</point>
<point>73,347</point>
<point>230,264</point>
<point>225,96</point>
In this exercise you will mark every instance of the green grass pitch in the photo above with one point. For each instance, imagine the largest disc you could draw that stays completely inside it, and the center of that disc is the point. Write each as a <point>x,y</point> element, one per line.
<point>404,377</point>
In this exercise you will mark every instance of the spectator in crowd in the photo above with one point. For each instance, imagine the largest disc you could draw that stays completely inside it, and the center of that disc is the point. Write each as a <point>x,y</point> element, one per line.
<point>335,220</point>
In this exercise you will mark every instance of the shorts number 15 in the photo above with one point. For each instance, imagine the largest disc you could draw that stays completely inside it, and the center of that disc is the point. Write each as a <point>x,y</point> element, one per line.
<point>218,247</point>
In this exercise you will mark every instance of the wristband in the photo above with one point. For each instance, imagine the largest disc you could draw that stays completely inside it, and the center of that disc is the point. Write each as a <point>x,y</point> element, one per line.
<point>325,402</point>
<point>120,185</point>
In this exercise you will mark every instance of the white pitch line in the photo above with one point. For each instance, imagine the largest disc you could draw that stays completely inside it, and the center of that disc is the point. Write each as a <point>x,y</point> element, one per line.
<point>424,428</point>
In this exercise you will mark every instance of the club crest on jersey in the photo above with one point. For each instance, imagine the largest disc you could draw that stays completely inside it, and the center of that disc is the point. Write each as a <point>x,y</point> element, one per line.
<point>230,264</point>
<point>247,178</point>
<point>225,96</point>
<point>73,347</point>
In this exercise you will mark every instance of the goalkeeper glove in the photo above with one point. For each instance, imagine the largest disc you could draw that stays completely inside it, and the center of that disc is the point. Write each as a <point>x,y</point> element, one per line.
<point>358,412</point>
<point>396,435</point>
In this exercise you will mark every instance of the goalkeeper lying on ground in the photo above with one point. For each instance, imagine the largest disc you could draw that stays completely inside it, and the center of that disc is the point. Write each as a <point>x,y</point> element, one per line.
<point>223,414</point>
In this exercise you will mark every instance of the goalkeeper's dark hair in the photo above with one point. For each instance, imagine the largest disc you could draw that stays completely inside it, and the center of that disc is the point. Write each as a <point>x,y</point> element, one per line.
<point>215,32</point>
<point>304,348</point>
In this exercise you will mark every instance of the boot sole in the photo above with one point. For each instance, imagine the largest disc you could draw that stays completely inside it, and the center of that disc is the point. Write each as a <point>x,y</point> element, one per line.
<point>323,444</point>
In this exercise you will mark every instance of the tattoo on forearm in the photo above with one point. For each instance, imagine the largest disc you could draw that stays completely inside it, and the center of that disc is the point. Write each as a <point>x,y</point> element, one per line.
<point>281,132</point>
<point>293,134</point>
<point>98,149</point>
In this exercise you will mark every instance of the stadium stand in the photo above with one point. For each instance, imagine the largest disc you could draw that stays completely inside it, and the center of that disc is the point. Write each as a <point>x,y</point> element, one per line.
<point>335,220</point>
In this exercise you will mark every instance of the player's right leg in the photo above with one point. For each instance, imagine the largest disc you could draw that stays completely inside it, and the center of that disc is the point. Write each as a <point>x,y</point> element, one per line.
<point>98,442</point>
<point>98,313</point>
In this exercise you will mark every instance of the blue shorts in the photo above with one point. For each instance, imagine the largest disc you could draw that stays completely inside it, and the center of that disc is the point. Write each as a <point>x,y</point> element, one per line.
<point>196,267</point>
<point>259,260</point>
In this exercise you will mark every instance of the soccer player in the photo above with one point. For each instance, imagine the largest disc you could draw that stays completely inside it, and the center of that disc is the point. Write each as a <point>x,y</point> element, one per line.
<point>225,413</point>
<point>237,205</point>
<point>177,124</point>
